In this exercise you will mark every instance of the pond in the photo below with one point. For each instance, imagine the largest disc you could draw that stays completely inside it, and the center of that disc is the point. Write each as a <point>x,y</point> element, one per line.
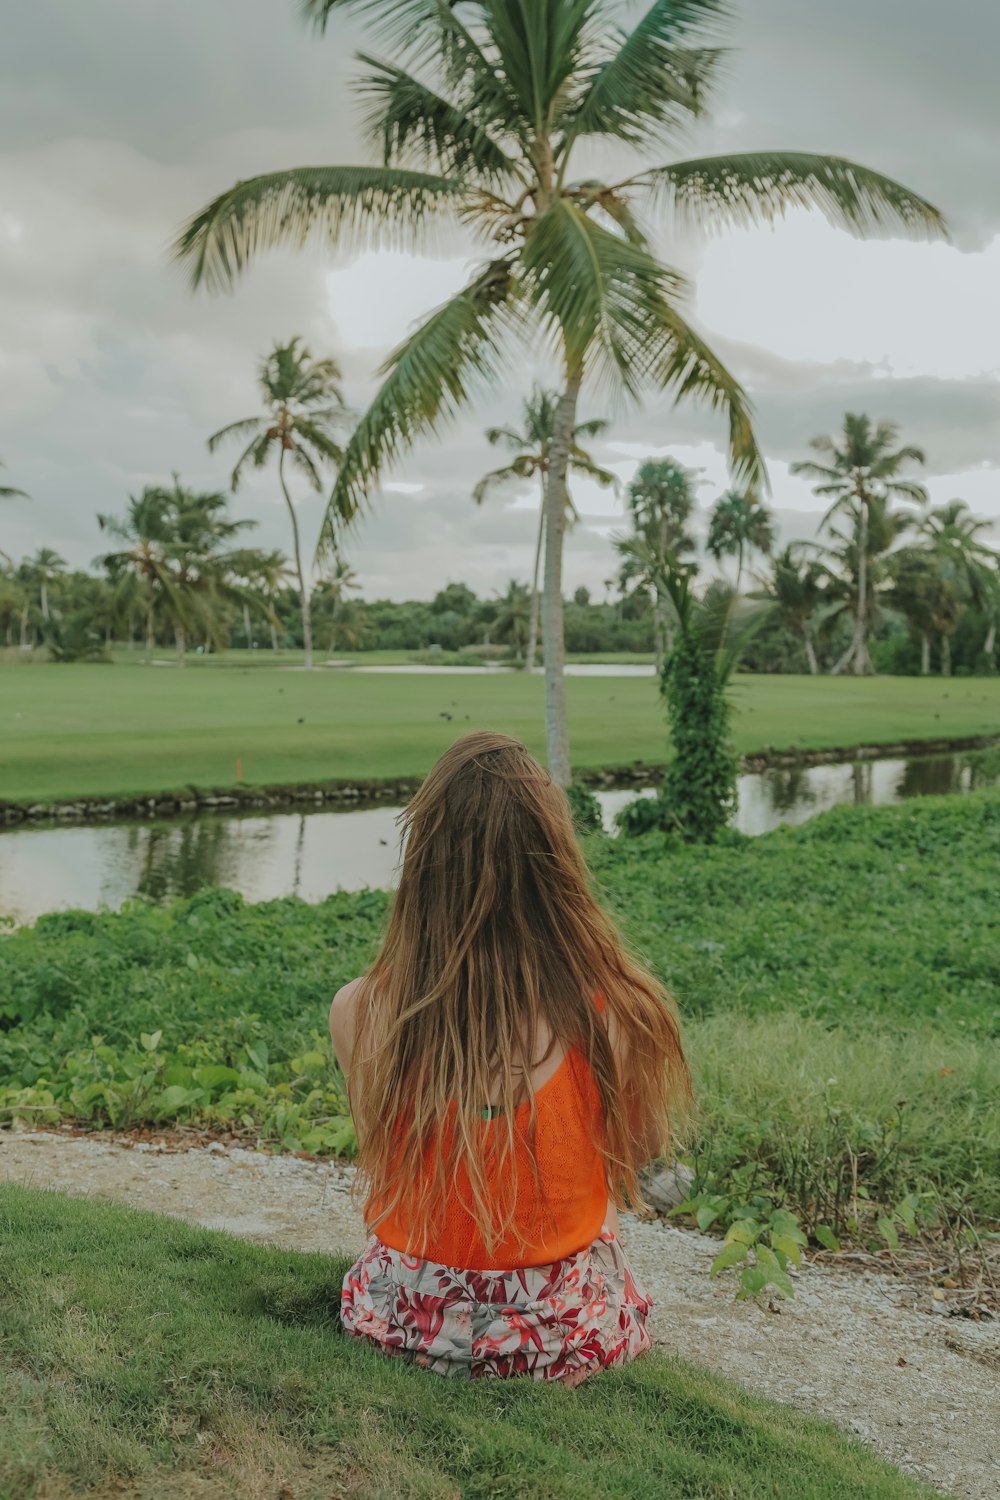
<point>310,854</point>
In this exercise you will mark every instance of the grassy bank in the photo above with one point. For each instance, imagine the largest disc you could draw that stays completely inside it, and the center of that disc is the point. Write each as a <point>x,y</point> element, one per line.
<point>839,984</point>
<point>140,1357</point>
<point>110,732</point>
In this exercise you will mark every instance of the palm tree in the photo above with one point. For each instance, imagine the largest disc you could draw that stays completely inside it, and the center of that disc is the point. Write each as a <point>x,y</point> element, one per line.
<point>927,599</point>
<point>490,116</point>
<point>174,549</point>
<point>532,447</point>
<point>513,622</point>
<point>338,582</point>
<point>739,524</point>
<point>954,537</point>
<point>796,589</point>
<point>303,403</point>
<point>850,569</point>
<point>863,467</point>
<point>45,567</point>
<point>660,501</point>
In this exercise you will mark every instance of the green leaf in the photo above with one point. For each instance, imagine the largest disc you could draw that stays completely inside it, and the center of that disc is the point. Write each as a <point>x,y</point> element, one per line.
<point>887,1230</point>
<point>759,187</point>
<point>826,1237</point>
<point>729,1255</point>
<point>369,206</point>
<point>743,1232</point>
<point>706,1216</point>
<point>214,1076</point>
<point>752,1282</point>
<point>789,1246</point>
<point>150,1042</point>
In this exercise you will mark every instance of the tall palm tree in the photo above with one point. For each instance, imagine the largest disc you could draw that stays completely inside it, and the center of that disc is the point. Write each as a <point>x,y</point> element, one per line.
<point>954,536</point>
<point>487,115</point>
<point>739,524</point>
<point>532,447</point>
<point>303,403</point>
<point>863,467</point>
<point>660,501</point>
<point>796,589</point>
<point>45,567</point>
<point>927,599</point>
<point>854,575</point>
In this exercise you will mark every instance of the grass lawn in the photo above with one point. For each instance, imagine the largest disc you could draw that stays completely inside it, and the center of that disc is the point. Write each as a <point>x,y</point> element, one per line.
<point>113,731</point>
<point>140,1357</point>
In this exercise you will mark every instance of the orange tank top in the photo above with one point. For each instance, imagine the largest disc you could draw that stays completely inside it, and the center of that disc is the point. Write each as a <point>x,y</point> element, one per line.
<point>557,1215</point>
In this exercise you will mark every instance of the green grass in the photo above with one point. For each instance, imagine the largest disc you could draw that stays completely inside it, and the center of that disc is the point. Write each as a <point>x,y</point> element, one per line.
<point>80,731</point>
<point>140,1357</point>
<point>839,983</point>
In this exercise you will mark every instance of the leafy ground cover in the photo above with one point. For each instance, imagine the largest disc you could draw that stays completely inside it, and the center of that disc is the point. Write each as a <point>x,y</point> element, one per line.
<point>77,731</point>
<point>142,1357</point>
<point>839,984</point>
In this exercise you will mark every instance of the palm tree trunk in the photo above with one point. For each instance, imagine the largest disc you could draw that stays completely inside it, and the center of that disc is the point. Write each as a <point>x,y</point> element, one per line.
<point>946,656</point>
<point>24,627</point>
<point>150,635</point>
<point>990,643</point>
<point>861,630</point>
<point>553,639</point>
<point>810,654</point>
<point>44,599</point>
<point>535,593</point>
<point>925,654</point>
<point>274,638</point>
<point>246,623</point>
<point>179,637</point>
<point>658,633</point>
<point>307,635</point>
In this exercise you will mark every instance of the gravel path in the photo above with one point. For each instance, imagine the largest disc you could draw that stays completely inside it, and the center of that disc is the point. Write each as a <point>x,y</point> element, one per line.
<point>864,1350</point>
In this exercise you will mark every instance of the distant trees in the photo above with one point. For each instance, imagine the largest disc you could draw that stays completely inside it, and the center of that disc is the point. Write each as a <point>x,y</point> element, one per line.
<point>659,502</point>
<point>302,406</point>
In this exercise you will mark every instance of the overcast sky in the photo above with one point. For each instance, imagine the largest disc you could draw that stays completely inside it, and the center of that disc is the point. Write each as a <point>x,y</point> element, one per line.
<point>119,118</point>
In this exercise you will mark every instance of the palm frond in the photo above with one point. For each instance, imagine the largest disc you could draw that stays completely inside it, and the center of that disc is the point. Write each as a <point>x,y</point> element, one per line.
<point>760,186</point>
<point>372,206</point>
<point>428,379</point>
<point>580,464</point>
<point>244,428</point>
<point>653,80</point>
<point>496,477</point>
<point>404,116</point>
<point>7,492</point>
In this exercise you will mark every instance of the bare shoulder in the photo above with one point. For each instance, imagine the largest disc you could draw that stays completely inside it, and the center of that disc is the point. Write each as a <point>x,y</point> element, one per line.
<point>343,1012</point>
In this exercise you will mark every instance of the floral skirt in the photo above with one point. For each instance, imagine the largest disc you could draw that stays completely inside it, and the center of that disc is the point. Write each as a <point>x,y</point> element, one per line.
<point>562,1321</point>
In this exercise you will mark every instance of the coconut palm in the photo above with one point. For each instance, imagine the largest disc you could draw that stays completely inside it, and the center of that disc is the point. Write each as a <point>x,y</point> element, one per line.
<point>7,493</point>
<point>45,567</point>
<point>863,467</point>
<point>339,581</point>
<point>303,404</point>
<point>174,547</point>
<point>954,536</point>
<point>926,598</point>
<point>513,621</point>
<point>532,447</point>
<point>487,116</point>
<point>739,524</point>
<point>796,588</point>
<point>849,570</point>
<point>660,501</point>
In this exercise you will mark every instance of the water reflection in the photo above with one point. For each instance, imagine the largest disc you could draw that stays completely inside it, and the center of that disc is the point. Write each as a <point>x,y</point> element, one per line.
<point>310,853</point>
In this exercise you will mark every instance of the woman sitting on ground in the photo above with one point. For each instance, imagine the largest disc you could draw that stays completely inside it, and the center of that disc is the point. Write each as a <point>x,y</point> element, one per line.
<point>510,1070</point>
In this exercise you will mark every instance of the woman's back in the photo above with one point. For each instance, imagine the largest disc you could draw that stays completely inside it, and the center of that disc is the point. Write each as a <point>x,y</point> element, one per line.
<point>502,1113</point>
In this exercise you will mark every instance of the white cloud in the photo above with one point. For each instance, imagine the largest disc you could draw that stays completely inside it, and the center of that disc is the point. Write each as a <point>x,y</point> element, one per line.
<point>807,292</point>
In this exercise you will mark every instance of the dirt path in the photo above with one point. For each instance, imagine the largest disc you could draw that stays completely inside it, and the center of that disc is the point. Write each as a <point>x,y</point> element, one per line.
<point>865,1351</point>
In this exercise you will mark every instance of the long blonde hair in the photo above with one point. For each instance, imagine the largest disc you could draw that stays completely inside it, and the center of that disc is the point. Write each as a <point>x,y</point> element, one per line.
<point>494,940</point>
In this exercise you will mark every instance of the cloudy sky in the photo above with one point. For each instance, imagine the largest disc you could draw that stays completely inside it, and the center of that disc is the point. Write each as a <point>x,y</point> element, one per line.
<point>119,118</point>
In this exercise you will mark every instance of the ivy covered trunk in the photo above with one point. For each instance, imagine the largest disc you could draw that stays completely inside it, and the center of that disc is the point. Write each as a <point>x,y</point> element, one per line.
<point>553,639</point>
<point>698,791</point>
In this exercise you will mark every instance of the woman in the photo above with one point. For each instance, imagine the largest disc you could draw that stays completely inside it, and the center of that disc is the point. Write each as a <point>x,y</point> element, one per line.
<point>510,1069</point>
